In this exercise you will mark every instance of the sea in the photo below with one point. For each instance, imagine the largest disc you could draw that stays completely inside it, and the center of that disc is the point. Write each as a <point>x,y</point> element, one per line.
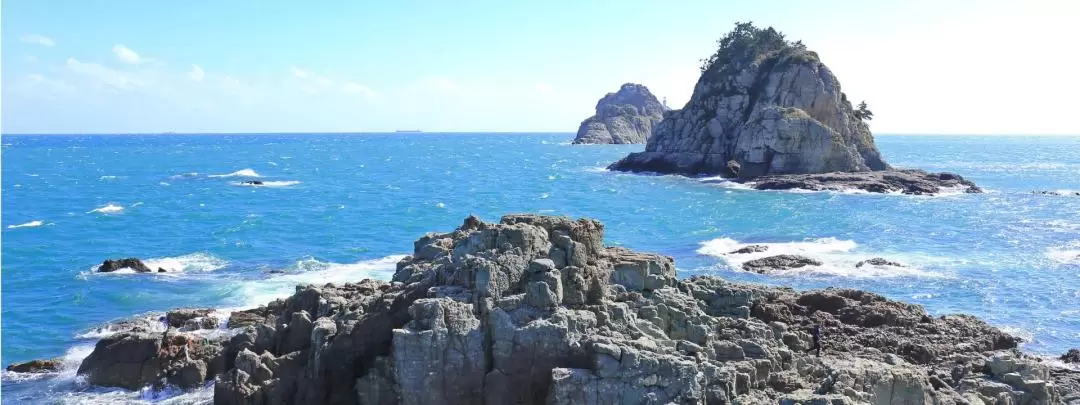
<point>344,207</point>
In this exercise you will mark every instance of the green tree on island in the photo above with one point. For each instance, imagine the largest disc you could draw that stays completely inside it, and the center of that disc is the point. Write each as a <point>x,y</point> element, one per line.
<point>863,113</point>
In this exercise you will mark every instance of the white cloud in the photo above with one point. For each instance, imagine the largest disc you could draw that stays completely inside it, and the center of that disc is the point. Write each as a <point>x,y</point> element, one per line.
<point>357,88</point>
<point>126,55</point>
<point>110,77</point>
<point>196,73</point>
<point>37,40</point>
<point>300,73</point>
<point>35,78</point>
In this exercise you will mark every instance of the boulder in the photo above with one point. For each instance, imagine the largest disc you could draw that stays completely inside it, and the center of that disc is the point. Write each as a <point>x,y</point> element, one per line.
<point>779,263</point>
<point>177,318</point>
<point>1072,356</point>
<point>624,117</point>
<point>36,366</point>
<point>134,264</point>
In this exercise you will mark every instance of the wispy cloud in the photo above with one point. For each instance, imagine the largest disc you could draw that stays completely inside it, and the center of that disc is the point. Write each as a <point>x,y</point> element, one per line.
<point>37,40</point>
<point>126,55</point>
<point>544,88</point>
<point>357,88</point>
<point>300,73</point>
<point>441,84</point>
<point>196,73</point>
<point>110,77</point>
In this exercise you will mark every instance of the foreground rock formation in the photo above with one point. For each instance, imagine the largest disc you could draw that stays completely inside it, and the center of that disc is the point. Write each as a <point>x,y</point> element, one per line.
<point>762,106</point>
<point>536,310</point>
<point>626,116</point>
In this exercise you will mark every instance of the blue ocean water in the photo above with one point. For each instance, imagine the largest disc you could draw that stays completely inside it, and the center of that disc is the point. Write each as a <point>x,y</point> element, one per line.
<point>339,207</point>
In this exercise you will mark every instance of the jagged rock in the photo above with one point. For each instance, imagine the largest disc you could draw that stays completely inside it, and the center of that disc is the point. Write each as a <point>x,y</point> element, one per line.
<point>765,106</point>
<point>485,315</point>
<point>36,366</point>
<point>878,261</point>
<point>623,117</point>
<point>1060,193</point>
<point>1072,356</point>
<point>779,263</point>
<point>179,317</point>
<point>240,319</point>
<point>915,182</point>
<point>134,264</point>
<point>749,249</point>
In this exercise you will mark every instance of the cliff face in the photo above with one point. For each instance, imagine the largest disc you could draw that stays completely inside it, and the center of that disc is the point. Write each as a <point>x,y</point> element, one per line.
<point>626,116</point>
<point>762,106</point>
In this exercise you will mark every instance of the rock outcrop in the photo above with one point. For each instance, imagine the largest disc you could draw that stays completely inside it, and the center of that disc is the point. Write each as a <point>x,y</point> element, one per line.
<point>536,310</point>
<point>878,261</point>
<point>134,264</point>
<point>36,366</point>
<point>915,182</point>
<point>771,264</point>
<point>624,117</point>
<point>762,106</point>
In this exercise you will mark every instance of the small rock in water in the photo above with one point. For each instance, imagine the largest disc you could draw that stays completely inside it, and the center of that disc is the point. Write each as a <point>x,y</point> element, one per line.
<point>779,262</point>
<point>1073,356</point>
<point>879,261</point>
<point>253,182</point>
<point>36,366</point>
<point>749,249</point>
<point>137,265</point>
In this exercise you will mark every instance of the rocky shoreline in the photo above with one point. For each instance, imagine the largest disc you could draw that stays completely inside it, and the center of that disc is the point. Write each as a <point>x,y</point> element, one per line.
<point>535,309</point>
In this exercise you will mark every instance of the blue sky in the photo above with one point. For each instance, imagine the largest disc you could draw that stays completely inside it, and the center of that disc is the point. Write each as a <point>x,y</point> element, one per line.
<point>941,66</point>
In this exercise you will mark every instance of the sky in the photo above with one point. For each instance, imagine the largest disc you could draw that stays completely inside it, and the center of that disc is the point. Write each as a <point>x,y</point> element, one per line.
<point>136,66</point>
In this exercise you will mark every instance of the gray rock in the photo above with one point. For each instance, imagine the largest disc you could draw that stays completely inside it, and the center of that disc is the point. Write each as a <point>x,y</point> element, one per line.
<point>489,319</point>
<point>765,106</point>
<point>915,182</point>
<point>779,263</point>
<point>624,117</point>
<point>36,366</point>
<point>134,264</point>
<point>749,249</point>
<point>878,261</point>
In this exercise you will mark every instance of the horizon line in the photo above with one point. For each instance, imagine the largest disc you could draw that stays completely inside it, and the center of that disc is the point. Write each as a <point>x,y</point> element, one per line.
<point>416,132</point>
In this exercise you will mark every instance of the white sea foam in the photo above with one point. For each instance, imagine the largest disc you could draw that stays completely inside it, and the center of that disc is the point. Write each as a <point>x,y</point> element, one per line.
<point>312,271</point>
<point>189,263</point>
<point>283,183</point>
<point>189,175</point>
<point>1066,254</point>
<point>838,257</point>
<point>30,224</point>
<point>440,205</point>
<point>238,173</point>
<point>107,178</point>
<point>107,209</point>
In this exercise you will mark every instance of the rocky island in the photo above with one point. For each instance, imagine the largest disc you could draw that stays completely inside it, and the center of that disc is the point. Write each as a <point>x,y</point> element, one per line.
<point>626,116</point>
<point>766,111</point>
<point>537,310</point>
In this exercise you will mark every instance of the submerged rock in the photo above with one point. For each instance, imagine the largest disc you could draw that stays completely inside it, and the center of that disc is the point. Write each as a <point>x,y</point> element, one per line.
<point>623,117</point>
<point>749,249</point>
<point>763,106</point>
<point>36,366</point>
<point>536,310</point>
<point>779,263</point>
<point>878,261</point>
<point>1072,356</point>
<point>252,182</point>
<point>134,264</point>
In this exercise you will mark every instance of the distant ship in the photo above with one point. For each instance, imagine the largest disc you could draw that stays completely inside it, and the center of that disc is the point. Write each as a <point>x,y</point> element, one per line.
<point>408,130</point>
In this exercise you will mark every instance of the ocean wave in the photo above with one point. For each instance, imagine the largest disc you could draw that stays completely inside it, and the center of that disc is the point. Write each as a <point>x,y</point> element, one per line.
<point>30,224</point>
<point>69,364</point>
<point>189,263</point>
<point>238,173</point>
<point>1066,254</point>
<point>283,183</point>
<point>107,209</point>
<point>312,271</point>
<point>189,175</point>
<point>107,178</point>
<point>838,258</point>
